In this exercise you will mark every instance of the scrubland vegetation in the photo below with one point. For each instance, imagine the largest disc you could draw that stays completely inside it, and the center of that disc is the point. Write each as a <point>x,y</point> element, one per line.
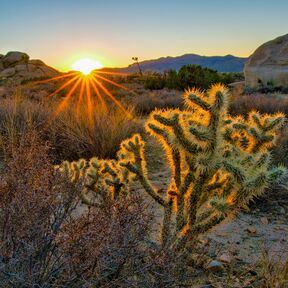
<point>70,212</point>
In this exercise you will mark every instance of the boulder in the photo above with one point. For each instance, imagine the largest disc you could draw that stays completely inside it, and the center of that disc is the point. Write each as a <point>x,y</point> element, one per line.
<point>268,65</point>
<point>12,58</point>
<point>25,68</point>
<point>36,62</point>
<point>7,72</point>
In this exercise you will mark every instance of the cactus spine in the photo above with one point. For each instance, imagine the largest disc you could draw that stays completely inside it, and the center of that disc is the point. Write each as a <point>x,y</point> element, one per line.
<point>218,163</point>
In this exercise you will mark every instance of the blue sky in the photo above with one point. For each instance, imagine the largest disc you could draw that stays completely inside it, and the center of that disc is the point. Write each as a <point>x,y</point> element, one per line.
<point>60,32</point>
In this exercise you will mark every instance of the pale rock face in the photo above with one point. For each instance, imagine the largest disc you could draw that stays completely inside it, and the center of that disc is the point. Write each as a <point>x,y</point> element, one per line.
<point>7,72</point>
<point>268,64</point>
<point>12,58</point>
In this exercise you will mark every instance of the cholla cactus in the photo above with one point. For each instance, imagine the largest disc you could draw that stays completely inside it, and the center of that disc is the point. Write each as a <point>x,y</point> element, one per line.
<point>218,162</point>
<point>101,179</point>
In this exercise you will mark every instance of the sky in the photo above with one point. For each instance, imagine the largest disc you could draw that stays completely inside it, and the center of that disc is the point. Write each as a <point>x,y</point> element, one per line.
<point>59,32</point>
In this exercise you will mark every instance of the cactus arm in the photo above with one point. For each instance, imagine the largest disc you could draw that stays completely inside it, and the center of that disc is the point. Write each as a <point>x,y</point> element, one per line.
<point>180,217</point>
<point>166,227</point>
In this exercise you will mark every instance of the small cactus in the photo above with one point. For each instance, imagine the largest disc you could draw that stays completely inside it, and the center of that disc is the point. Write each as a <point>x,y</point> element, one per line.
<point>218,163</point>
<point>101,179</point>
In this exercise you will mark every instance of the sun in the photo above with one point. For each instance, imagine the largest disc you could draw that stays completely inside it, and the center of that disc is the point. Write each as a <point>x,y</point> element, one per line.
<point>86,65</point>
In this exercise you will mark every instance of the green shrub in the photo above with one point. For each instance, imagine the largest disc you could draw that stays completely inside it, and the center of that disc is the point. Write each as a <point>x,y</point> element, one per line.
<point>188,76</point>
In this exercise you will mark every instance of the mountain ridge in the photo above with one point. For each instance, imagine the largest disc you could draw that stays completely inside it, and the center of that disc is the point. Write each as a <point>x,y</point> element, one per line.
<point>227,63</point>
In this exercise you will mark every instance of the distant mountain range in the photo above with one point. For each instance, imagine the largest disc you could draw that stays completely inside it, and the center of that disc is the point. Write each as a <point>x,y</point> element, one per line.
<point>228,63</point>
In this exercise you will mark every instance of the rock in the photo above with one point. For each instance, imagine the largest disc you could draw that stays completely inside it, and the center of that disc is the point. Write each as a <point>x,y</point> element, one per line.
<point>225,258</point>
<point>8,72</point>
<point>268,65</point>
<point>25,68</point>
<point>264,220</point>
<point>215,266</point>
<point>48,71</point>
<point>12,58</point>
<point>36,62</point>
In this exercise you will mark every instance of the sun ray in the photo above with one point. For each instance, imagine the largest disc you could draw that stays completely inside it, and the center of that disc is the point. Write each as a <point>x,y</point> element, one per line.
<point>66,99</point>
<point>64,86</point>
<point>51,79</point>
<point>117,102</point>
<point>89,103</point>
<point>112,82</point>
<point>80,97</point>
<point>96,90</point>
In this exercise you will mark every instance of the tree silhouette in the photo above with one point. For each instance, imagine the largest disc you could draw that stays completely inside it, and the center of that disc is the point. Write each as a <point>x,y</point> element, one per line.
<point>137,62</point>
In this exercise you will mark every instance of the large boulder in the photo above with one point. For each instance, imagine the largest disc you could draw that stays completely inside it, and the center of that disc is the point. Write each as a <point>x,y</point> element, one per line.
<point>268,65</point>
<point>12,58</point>
<point>16,68</point>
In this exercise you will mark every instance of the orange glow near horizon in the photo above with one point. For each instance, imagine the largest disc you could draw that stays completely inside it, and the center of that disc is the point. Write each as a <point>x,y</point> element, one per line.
<point>87,89</point>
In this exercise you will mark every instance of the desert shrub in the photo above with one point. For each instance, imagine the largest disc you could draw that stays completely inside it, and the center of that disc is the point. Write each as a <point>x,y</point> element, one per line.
<point>227,78</point>
<point>47,239</point>
<point>146,103</point>
<point>70,135</point>
<point>196,76</point>
<point>17,117</point>
<point>105,246</point>
<point>273,272</point>
<point>269,103</point>
<point>78,137</point>
<point>218,164</point>
<point>188,76</point>
<point>154,81</point>
<point>34,205</point>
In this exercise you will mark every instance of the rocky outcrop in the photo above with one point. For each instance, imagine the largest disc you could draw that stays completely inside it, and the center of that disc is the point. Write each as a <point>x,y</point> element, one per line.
<point>268,65</point>
<point>16,67</point>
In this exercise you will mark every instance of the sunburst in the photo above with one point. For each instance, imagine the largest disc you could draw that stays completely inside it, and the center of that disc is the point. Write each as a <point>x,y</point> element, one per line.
<point>85,88</point>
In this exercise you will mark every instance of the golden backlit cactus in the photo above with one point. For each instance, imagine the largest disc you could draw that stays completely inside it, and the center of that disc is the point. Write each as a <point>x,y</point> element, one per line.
<point>218,163</point>
<point>100,179</point>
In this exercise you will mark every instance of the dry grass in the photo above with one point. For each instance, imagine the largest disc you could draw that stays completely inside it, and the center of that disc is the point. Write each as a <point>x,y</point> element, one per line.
<point>264,103</point>
<point>78,137</point>
<point>160,99</point>
<point>70,136</point>
<point>145,100</point>
<point>273,272</point>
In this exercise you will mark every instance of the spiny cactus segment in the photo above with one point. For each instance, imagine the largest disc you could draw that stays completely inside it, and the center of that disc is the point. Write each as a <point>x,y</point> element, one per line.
<point>218,163</point>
